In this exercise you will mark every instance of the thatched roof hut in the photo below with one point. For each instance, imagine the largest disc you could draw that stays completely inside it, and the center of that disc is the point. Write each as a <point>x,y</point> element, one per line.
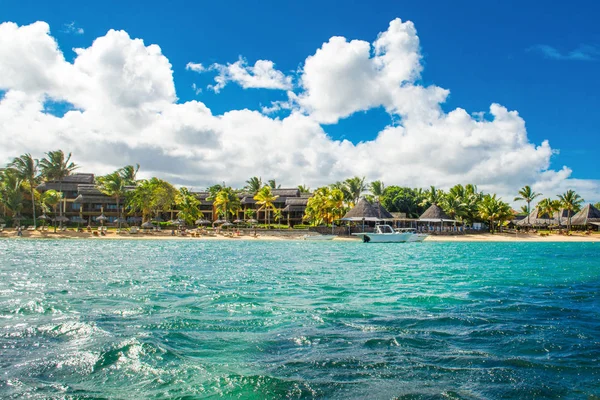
<point>383,213</point>
<point>589,215</point>
<point>435,214</point>
<point>363,211</point>
<point>538,218</point>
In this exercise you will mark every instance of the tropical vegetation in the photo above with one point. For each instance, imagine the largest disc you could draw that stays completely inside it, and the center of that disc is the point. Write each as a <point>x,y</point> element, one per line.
<point>20,178</point>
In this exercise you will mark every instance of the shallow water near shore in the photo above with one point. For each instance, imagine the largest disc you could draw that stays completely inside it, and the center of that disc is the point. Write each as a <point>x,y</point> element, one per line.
<point>294,319</point>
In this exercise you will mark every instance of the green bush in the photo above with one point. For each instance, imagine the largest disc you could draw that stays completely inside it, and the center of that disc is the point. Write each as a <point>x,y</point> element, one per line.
<point>301,226</point>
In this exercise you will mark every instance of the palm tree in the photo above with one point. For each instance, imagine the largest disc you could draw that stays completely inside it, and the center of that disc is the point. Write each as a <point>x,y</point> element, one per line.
<point>273,184</point>
<point>453,206</point>
<point>354,188</point>
<point>527,195</point>
<point>571,202</point>
<point>26,168</point>
<point>227,202</point>
<point>265,199</point>
<point>253,184</point>
<point>129,174</point>
<point>151,196</point>
<point>377,188</point>
<point>113,185</point>
<point>432,196</point>
<point>188,206</point>
<point>546,206</point>
<point>303,189</point>
<point>11,192</point>
<point>49,200</point>
<point>494,210</point>
<point>56,167</point>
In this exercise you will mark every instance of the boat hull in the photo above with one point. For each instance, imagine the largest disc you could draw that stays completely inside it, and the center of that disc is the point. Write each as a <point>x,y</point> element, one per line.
<point>384,237</point>
<point>417,237</point>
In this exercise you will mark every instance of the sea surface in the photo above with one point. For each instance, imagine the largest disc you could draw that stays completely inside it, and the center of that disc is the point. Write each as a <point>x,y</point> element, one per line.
<point>293,319</point>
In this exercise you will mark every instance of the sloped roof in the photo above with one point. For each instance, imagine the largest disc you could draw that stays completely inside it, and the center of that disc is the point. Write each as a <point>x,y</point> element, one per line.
<point>296,201</point>
<point>363,210</point>
<point>293,192</point>
<point>383,213</point>
<point>537,218</point>
<point>588,215</point>
<point>69,183</point>
<point>435,213</point>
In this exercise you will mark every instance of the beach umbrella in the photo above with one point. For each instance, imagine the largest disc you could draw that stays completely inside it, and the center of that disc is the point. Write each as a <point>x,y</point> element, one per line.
<point>101,218</point>
<point>61,218</point>
<point>252,221</point>
<point>202,222</point>
<point>148,225</point>
<point>2,220</point>
<point>43,217</point>
<point>227,224</point>
<point>157,219</point>
<point>219,222</point>
<point>238,221</point>
<point>120,220</point>
<point>135,219</point>
<point>78,219</point>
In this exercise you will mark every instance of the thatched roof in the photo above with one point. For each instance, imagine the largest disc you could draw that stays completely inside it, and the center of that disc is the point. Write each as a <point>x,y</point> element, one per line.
<point>588,214</point>
<point>296,201</point>
<point>248,200</point>
<point>435,214</point>
<point>294,192</point>
<point>69,183</point>
<point>537,218</point>
<point>363,211</point>
<point>383,213</point>
<point>291,208</point>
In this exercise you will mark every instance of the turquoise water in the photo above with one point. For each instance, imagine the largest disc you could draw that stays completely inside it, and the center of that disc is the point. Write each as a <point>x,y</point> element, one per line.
<point>199,319</point>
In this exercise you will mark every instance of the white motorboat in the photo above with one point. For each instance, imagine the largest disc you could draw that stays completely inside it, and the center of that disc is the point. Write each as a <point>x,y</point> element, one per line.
<point>384,234</point>
<point>416,237</point>
<point>319,237</point>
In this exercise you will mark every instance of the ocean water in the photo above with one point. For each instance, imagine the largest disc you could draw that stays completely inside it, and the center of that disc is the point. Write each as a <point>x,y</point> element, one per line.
<point>255,320</point>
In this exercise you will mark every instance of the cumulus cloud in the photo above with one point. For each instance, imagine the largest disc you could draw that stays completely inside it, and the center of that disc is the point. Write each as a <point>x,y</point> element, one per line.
<point>125,110</point>
<point>262,75</point>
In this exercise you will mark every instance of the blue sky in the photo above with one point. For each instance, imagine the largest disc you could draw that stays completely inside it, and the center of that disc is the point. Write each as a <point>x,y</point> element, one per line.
<point>541,61</point>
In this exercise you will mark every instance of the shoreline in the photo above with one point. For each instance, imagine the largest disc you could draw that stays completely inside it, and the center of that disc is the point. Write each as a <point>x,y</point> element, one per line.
<point>295,236</point>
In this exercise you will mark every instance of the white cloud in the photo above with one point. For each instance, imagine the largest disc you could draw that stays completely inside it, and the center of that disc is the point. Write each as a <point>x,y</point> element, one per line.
<point>196,67</point>
<point>126,111</point>
<point>71,27</point>
<point>262,75</point>
<point>582,53</point>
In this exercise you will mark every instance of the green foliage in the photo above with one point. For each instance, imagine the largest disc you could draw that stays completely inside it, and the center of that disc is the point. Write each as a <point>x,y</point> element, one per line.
<point>11,191</point>
<point>326,205</point>
<point>597,205</point>
<point>403,200</point>
<point>303,189</point>
<point>27,169</point>
<point>226,202</point>
<point>253,184</point>
<point>494,210</point>
<point>265,198</point>
<point>570,201</point>
<point>188,206</point>
<point>151,196</point>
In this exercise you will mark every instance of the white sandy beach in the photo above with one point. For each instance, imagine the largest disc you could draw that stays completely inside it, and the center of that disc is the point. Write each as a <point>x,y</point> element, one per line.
<point>293,235</point>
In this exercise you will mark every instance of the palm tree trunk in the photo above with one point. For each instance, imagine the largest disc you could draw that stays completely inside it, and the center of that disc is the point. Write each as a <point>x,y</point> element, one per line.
<point>118,213</point>
<point>60,204</point>
<point>528,211</point>
<point>33,206</point>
